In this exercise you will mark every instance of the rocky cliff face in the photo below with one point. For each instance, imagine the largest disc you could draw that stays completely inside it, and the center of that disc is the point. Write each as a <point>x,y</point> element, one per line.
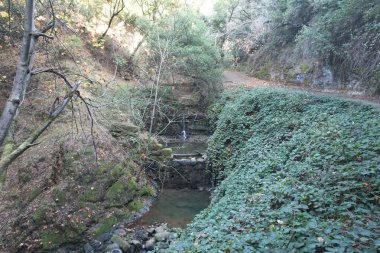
<point>287,66</point>
<point>313,43</point>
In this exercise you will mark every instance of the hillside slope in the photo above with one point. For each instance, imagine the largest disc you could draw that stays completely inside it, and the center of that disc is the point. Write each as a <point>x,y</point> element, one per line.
<point>59,193</point>
<point>299,172</point>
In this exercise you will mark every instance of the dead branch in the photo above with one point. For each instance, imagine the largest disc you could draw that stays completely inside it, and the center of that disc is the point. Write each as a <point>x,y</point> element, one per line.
<point>30,141</point>
<point>86,103</point>
<point>40,34</point>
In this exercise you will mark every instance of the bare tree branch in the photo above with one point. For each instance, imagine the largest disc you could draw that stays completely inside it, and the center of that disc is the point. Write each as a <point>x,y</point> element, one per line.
<point>41,34</point>
<point>30,141</point>
<point>116,8</point>
<point>87,104</point>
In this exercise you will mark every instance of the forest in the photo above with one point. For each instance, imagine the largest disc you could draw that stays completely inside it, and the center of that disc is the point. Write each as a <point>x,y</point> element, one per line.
<point>135,126</point>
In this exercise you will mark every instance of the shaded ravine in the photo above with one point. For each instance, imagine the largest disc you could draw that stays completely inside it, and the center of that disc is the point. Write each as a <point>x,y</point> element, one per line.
<point>177,206</point>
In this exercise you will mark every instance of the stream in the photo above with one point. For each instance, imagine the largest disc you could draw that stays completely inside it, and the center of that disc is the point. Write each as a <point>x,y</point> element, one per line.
<point>188,147</point>
<point>185,183</point>
<point>176,207</point>
<point>180,201</point>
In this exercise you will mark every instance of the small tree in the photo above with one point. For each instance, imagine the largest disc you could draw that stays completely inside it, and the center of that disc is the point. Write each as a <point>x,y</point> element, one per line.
<point>116,7</point>
<point>163,50</point>
<point>192,53</point>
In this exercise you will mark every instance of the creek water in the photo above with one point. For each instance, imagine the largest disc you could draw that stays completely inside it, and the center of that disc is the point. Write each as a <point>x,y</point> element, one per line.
<point>188,147</point>
<point>176,207</point>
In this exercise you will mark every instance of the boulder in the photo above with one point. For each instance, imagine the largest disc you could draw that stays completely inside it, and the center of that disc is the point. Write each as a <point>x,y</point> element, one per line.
<point>137,244</point>
<point>112,247</point>
<point>160,229</point>
<point>115,251</point>
<point>162,236</point>
<point>149,245</point>
<point>166,152</point>
<point>121,232</point>
<point>123,244</point>
<point>163,154</point>
<point>151,231</point>
<point>124,129</point>
<point>155,145</point>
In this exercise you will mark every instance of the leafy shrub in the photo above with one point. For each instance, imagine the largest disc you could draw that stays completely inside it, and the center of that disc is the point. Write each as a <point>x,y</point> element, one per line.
<point>186,49</point>
<point>300,173</point>
<point>346,35</point>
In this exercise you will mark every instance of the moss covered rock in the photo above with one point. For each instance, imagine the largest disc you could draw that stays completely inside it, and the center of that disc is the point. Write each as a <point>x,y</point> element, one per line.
<point>155,145</point>
<point>163,154</point>
<point>89,202</point>
<point>56,236</point>
<point>123,244</point>
<point>124,129</point>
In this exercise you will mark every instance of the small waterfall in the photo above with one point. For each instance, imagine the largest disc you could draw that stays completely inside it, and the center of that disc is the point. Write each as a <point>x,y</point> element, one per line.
<point>183,134</point>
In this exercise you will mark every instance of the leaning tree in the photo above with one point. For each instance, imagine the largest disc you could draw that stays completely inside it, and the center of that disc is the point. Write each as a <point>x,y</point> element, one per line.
<point>21,82</point>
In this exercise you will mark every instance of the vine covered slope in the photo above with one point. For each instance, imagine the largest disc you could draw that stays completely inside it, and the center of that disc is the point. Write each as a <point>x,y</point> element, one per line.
<point>298,172</point>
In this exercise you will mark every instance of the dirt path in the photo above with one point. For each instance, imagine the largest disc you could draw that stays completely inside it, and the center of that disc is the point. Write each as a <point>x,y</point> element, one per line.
<point>234,79</point>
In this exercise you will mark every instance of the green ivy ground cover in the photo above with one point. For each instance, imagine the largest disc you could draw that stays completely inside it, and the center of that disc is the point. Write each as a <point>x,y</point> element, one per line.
<point>298,173</point>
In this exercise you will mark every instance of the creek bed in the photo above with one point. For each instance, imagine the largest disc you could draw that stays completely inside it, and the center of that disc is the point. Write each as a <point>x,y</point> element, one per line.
<point>176,207</point>
<point>194,144</point>
<point>188,147</point>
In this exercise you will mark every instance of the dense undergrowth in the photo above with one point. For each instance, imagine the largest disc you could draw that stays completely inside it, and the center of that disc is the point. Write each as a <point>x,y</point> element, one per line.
<point>300,173</point>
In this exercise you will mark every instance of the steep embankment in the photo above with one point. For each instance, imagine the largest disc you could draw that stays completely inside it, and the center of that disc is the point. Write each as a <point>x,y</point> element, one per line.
<point>58,193</point>
<point>299,172</point>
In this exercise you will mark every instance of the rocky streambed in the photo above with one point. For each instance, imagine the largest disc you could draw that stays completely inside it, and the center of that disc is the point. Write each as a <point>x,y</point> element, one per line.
<point>186,193</point>
<point>137,239</point>
<point>184,183</point>
<point>157,228</point>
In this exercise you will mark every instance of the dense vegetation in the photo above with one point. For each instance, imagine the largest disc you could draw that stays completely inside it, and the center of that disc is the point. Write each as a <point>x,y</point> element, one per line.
<point>300,173</point>
<point>181,43</point>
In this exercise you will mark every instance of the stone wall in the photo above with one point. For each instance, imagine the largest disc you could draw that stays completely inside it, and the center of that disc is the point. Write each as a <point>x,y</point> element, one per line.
<point>195,125</point>
<point>182,173</point>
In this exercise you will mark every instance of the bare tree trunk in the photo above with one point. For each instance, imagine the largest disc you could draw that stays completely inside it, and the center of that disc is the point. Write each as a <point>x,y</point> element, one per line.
<point>163,55</point>
<point>24,70</point>
<point>10,20</point>
<point>115,10</point>
<point>8,147</point>
<point>156,96</point>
